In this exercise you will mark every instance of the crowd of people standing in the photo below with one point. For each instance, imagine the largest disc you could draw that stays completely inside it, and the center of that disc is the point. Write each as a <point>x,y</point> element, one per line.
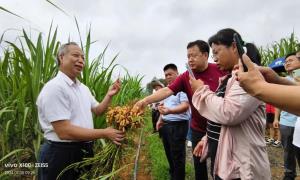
<point>224,102</point>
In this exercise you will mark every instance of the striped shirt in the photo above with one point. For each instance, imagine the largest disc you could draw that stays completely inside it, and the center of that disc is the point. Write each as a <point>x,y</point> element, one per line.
<point>214,129</point>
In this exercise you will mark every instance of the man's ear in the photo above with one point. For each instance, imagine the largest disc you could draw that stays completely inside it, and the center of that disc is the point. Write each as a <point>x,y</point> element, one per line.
<point>205,54</point>
<point>60,59</point>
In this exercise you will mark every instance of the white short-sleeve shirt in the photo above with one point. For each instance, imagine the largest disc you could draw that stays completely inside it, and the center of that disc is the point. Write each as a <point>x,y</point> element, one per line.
<point>63,99</point>
<point>296,138</point>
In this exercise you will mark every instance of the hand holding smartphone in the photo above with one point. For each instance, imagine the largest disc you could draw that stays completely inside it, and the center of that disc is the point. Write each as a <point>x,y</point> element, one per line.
<point>240,49</point>
<point>189,70</point>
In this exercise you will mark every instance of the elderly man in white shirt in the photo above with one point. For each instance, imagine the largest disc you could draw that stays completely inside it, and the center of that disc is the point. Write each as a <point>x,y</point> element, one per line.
<point>65,109</point>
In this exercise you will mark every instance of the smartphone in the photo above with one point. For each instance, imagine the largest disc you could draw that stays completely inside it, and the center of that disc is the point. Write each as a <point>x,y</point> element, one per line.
<point>189,70</point>
<point>296,73</point>
<point>241,51</point>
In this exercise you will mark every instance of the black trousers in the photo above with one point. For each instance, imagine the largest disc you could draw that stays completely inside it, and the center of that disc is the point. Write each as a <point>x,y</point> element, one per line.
<point>297,154</point>
<point>173,136</point>
<point>155,116</point>
<point>289,157</point>
<point>212,150</point>
<point>200,168</point>
<point>56,156</point>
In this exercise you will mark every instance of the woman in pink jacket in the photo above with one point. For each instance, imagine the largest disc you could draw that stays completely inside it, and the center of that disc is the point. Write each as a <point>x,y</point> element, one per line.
<point>235,129</point>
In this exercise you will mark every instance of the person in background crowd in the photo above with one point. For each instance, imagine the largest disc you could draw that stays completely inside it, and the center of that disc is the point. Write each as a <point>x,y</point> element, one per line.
<point>173,126</point>
<point>287,123</point>
<point>197,53</point>
<point>272,133</point>
<point>156,84</point>
<point>296,138</point>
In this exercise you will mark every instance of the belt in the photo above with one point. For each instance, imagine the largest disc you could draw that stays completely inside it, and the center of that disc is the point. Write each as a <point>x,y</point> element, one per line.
<point>79,143</point>
<point>175,122</point>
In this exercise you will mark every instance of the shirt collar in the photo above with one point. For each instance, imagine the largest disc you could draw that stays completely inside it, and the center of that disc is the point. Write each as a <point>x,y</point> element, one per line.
<point>66,78</point>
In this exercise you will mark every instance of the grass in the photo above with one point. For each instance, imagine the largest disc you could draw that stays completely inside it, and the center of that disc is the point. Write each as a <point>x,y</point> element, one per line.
<point>156,154</point>
<point>159,164</point>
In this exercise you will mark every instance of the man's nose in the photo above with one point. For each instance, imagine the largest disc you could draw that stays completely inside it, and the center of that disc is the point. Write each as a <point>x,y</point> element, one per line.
<point>215,59</point>
<point>81,60</point>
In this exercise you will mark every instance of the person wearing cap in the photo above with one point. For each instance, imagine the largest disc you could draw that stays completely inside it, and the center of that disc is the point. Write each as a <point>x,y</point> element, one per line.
<point>197,54</point>
<point>65,107</point>
<point>156,85</point>
<point>286,123</point>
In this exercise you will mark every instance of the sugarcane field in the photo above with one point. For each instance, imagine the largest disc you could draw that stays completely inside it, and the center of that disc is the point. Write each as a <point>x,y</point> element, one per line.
<point>121,90</point>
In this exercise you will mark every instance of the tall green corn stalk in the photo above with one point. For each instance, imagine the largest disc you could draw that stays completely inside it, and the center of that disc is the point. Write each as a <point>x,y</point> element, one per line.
<point>24,69</point>
<point>279,49</point>
<point>98,77</point>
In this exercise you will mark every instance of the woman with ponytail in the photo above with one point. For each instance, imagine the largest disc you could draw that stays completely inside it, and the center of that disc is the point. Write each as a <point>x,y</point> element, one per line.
<point>235,129</point>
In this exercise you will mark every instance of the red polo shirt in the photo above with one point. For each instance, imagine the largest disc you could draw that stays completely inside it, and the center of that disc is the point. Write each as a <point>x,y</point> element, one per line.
<point>210,77</point>
<point>270,109</point>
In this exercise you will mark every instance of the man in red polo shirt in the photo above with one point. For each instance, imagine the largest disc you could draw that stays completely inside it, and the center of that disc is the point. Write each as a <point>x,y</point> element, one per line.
<point>197,53</point>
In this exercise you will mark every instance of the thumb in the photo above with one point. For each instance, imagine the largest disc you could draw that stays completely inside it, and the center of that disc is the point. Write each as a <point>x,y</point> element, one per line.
<point>117,83</point>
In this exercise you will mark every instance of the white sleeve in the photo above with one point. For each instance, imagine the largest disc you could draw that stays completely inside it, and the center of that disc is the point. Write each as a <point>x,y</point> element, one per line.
<point>94,102</point>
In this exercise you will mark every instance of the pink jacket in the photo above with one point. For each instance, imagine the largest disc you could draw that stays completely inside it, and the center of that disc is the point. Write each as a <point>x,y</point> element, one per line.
<point>242,150</point>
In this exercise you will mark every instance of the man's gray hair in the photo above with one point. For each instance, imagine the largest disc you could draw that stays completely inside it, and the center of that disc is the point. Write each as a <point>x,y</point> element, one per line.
<point>63,50</point>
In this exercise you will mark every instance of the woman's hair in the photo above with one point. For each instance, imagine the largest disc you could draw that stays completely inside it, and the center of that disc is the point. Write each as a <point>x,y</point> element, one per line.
<point>225,37</point>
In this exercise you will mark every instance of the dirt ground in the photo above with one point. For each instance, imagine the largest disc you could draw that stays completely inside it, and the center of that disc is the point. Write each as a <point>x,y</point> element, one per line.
<point>275,158</point>
<point>144,166</point>
<point>276,162</point>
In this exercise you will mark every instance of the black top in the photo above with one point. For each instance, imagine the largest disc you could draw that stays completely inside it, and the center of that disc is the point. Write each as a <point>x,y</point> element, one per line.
<point>214,129</point>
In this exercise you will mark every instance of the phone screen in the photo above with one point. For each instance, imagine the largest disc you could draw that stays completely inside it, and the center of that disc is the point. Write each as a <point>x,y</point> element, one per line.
<point>189,70</point>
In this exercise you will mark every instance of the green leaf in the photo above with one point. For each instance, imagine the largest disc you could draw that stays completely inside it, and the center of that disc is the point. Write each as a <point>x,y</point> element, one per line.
<point>10,154</point>
<point>2,8</point>
<point>57,7</point>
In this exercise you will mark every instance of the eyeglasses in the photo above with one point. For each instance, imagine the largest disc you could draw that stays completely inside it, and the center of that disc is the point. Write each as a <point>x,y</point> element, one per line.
<point>216,53</point>
<point>290,61</point>
<point>213,56</point>
<point>193,55</point>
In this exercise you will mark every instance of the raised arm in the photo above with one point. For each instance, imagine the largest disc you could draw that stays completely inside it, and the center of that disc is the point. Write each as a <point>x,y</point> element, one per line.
<point>234,108</point>
<point>155,97</point>
<point>113,90</point>
<point>282,96</point>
